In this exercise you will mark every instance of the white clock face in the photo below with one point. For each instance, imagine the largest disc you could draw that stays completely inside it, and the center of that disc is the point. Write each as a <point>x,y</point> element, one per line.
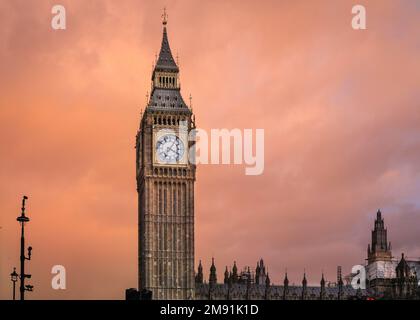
<point>169,148</point>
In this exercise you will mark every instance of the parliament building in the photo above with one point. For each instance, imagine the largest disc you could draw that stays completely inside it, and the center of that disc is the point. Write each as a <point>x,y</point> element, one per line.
<point>166,175</point>
<point>386,278</point>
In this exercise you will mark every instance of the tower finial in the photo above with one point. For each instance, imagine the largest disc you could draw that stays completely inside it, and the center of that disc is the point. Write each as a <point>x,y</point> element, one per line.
<point>164,17</point>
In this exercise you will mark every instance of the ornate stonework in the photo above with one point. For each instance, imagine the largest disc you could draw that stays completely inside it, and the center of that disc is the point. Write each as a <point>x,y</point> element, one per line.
<point>165,185</point>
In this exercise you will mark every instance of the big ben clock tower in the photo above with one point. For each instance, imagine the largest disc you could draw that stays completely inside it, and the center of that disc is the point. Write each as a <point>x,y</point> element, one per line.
<point>165,185</point>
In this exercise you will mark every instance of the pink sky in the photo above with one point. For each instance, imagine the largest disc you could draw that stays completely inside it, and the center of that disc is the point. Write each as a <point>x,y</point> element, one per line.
<point>340,110</point>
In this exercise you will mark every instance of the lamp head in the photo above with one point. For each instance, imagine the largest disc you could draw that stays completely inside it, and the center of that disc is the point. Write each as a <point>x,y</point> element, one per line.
<point>14,275</point>
<point>22,219</point>
<point>29,287</point>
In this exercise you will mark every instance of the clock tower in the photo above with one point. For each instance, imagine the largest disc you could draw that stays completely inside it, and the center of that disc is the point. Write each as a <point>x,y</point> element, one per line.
<point>165,185</point>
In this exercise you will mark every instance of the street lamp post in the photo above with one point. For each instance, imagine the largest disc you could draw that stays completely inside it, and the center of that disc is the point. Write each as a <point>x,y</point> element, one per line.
<point>14,277</point>
<point>22,219</point>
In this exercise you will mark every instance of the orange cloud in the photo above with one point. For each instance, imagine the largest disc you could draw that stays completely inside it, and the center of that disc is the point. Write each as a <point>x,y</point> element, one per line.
<point>339,108</point>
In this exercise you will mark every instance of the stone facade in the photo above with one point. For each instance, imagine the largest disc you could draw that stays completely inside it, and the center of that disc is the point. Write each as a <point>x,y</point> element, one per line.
<point>247,285</point>
<point>165,185</point>
<point>388,277</point>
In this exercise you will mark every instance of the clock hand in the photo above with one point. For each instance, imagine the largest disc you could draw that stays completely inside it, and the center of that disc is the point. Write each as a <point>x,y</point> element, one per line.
<point>170,147</point>
<point>176,150</point>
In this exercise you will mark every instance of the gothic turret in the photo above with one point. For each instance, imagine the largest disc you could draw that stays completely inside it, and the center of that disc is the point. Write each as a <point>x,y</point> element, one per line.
<point>404,283</point>
<point>267,287</point>
<point>213,276</point>
<point>322,293</point>
<point>165,61</point>
<point>267,281</point>
<point>165,91</point>
<point>226,279</point>
<point>380,249</point>
<point>234,273</point>
<point>199,277</point>
<point>285,287</point>
<point>260,273</point>
<point>402,270</point>
<point>304,286</point>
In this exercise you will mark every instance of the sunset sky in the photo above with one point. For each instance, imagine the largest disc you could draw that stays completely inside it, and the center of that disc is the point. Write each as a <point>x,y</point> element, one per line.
<point>340,109</point>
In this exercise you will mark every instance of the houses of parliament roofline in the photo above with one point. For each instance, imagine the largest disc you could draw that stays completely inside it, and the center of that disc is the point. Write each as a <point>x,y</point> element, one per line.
<point>386,278</point>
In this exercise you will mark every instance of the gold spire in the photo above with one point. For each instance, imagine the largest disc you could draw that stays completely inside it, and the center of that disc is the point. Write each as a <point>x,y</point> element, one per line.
<point>164,17</point>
